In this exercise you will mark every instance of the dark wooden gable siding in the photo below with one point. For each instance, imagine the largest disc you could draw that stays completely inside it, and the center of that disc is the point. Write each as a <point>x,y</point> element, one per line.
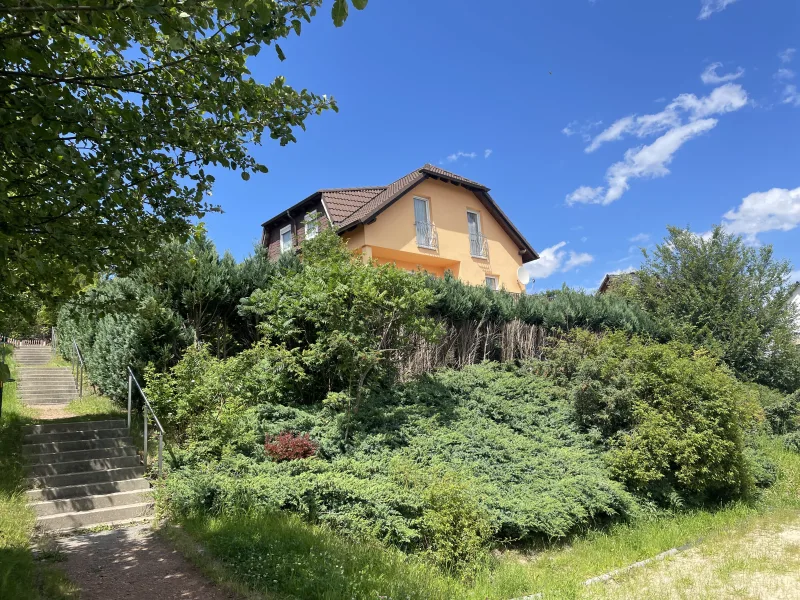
<point>271,236</point>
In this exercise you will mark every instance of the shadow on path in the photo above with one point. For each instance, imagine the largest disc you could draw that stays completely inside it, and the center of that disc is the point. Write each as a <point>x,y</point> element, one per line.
<point>133,562</point>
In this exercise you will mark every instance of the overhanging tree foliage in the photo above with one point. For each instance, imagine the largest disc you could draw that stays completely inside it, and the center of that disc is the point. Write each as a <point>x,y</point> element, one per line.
<point>111,112</point>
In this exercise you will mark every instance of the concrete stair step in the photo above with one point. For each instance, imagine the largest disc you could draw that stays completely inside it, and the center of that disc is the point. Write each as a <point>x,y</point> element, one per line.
<point>58,457</point>
<point>51,447</point>
<point>92,489</point>
<point>48,402</point>
<point>46,387</point>
<point>74,455</point>
<point>82,466</point>
<point>98,516</point>
<point>75,426</point>
<point>49,398</point>
<point>52,402</point>
<point>86,478</point>
<point>72,436</point>
<point>83,503</point>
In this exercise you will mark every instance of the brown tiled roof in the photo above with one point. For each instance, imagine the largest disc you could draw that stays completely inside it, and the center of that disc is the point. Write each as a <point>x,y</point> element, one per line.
<point>342,203</point>
<point>347,207</point>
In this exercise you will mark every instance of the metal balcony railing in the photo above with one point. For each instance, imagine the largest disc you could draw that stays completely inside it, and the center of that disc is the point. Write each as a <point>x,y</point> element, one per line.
<point>478,245</point>
<point>426,235</point>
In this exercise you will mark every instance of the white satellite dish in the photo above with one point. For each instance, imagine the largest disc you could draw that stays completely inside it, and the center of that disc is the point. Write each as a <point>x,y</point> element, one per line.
<point>523,276</point>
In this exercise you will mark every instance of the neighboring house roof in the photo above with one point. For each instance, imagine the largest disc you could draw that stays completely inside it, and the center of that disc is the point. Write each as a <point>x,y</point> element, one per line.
<point>613,278</point>
<point>349,207</point>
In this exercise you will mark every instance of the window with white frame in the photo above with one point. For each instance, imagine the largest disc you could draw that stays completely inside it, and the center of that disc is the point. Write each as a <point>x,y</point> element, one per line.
<point>491,282</point>
<point>311,224</point>
<point>477,243</point>
<point>422,222</point>
<point>286,238</point>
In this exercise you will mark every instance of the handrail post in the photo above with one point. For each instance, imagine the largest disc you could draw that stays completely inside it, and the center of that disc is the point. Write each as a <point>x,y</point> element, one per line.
<point>130,399</point>
<point>144,454</point>
<point>80,371</point>
<point>160,453</point>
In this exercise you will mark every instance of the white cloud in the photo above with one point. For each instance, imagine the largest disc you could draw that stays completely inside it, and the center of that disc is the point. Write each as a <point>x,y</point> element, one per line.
<point>787,55</point>
<point>644,161</point>
<point>557,260</point>
<point>784,74</point>
<point>575,127</point>
<point>456,155</point>
<point>549,262</point>
<point>794,276</point>
<point>652,160</point>
<point>791,95</point>
<point>577,259</point>
<point>614,132</point>
<point>640,237</point>
<point>726,98</point>
<point>487,153</point>
<point>778,209</point>
<point>711,77</point>
<point>585,195</point>
<point>709,7</point>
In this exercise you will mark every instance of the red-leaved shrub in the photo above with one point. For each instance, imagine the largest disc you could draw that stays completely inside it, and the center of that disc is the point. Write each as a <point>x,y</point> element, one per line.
<point>288,446</point>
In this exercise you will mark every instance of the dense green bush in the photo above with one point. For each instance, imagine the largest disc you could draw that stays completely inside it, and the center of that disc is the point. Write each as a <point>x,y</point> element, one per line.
<point>188,293</point>
<point>118,323</point>
<point>782,412</point>
<point>426,464</point>
<point>673,419</point>
<point>791,441</point>
<point>562,310</point>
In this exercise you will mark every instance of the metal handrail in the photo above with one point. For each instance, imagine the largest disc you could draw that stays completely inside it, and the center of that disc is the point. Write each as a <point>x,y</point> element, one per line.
<point>145,407</point>
<point>78,367</point>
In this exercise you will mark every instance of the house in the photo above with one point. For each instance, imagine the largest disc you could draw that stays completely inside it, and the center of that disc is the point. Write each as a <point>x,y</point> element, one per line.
<point>429,219</point>
<point>613,280</point>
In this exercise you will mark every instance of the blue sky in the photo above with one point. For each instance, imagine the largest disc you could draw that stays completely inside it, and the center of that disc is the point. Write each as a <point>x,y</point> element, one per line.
<point>664,112</point>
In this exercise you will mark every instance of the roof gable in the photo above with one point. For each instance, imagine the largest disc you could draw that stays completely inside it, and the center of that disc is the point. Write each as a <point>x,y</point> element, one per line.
<point>349,207</point>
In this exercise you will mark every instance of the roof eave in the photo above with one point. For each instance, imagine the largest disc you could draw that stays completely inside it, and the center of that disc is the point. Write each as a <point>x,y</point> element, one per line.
<point>292,208</point>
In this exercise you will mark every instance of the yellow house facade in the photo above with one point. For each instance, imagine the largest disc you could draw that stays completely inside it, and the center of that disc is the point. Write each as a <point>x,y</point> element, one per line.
<point>429,219</point>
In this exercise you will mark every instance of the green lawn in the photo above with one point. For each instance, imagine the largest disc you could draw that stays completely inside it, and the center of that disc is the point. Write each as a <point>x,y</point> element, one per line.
<point>279,556</point>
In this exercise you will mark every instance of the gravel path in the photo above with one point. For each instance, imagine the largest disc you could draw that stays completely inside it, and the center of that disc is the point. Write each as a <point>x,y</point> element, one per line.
<point>132,563</point>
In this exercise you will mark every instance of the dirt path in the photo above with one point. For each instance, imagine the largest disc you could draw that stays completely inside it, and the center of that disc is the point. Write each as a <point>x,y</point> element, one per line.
<point>47,412</point>
<point>132,563</point>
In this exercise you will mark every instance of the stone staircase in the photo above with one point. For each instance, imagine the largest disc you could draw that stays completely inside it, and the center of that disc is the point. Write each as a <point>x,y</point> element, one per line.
<point>83,474</point>
<point>38,384</point>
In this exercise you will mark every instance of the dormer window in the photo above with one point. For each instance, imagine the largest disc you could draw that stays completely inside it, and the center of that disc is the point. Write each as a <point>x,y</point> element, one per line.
<point>286,238</point>
<point>311,224</point>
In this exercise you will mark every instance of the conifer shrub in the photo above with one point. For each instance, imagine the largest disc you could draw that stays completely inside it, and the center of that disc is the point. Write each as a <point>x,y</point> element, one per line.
<point>674,420</point>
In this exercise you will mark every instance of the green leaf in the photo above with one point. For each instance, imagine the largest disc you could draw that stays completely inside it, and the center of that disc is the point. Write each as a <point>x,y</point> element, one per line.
<point>281,55</point>
<point>339,12</point>
<point>36,120</point>
<point>252,50</point>
<point>245,175</point>
<point>360,4</point>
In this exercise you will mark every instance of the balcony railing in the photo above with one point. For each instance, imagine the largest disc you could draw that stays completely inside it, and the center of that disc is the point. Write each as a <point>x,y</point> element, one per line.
<point>478,245</point>
<point>426,235</point>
